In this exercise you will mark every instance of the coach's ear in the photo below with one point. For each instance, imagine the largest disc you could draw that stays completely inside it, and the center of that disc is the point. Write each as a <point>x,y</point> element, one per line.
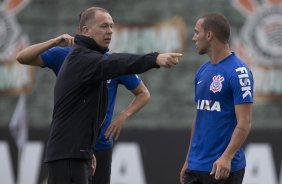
<point>78,30</point>
<point>85,31</point>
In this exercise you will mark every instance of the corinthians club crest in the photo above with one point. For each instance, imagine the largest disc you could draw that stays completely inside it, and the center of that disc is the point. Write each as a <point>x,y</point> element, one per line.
<point>216,84</point>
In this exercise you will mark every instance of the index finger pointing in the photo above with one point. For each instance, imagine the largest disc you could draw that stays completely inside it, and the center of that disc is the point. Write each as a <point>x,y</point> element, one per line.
<point>176,54</point>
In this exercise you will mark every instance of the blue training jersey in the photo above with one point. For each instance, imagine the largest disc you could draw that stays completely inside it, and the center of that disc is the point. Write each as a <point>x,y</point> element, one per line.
<point>54,58</point>
<point>218,88</point>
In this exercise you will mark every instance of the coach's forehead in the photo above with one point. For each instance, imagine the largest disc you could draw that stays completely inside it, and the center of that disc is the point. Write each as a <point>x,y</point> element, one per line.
<point>103,17</point>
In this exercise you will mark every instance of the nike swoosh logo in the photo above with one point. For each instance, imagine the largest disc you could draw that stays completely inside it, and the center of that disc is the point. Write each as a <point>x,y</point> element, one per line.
<point>199,82</point>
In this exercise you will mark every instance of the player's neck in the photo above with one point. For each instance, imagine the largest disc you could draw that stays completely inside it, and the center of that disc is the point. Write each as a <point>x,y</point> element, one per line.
<point>218,53</point>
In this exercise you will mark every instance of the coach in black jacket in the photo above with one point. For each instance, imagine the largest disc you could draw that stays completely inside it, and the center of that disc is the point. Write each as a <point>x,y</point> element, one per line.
<point>80,95</point>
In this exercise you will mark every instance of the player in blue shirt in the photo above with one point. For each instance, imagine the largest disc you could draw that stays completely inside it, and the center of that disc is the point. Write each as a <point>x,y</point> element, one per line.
<point>224,97</point>
<point>46,55</point>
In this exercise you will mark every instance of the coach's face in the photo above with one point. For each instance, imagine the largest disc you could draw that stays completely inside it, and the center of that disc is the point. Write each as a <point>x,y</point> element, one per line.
<point>200,38</point>
<point>102,28</point>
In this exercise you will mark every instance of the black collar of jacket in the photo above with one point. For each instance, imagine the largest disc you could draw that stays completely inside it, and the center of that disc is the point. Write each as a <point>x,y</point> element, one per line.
<point>88,43</point>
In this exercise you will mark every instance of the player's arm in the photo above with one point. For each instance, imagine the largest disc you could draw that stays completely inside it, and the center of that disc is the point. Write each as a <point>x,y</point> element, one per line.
<point>31,54</point>
<point>142,96</point>
<point>185,165</point>
<point>221,167</point>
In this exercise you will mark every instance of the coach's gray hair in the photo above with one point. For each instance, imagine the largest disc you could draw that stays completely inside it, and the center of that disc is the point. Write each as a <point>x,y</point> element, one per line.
<point>86,16</point>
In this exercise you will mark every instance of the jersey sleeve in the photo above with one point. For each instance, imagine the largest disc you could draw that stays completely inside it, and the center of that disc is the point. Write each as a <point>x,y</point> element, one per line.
<point>242,85</point>
<point>130,81</point>
<point>53,58</point>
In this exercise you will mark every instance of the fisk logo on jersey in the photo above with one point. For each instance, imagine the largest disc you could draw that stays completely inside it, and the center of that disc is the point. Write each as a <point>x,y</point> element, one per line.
<point>208,105</point>
<point>244,81</point>
<point>216,84</point>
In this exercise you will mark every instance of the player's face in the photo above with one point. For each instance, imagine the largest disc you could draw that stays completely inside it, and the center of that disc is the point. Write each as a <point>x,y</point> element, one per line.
<point>199,38</point>
<point>102,29</point>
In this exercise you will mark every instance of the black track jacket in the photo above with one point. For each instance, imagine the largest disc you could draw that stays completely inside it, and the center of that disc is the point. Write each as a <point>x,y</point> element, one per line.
<point>80,96</point>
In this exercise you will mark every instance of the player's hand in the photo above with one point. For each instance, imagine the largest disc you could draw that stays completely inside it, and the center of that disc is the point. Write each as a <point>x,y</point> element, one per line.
<point>168,60</point>
<point>93,164</point>
<point>64,40</point>
<point>182,174</point>
<point>221,168</point>
<point>115,127</point>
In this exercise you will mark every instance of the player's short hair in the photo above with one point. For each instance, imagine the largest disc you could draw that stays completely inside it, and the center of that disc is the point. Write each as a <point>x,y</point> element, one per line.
<point>86,16</point>
<point>218,24</point>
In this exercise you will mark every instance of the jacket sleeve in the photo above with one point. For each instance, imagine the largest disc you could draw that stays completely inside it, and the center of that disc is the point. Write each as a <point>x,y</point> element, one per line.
<point>97,67</point>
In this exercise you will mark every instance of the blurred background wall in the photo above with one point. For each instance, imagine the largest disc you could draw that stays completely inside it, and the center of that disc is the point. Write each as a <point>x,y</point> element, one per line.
<point>256,37</point>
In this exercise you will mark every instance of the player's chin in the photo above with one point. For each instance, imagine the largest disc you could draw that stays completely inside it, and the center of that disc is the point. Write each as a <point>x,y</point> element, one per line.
<point>198,49</point>
<point>202,51</point>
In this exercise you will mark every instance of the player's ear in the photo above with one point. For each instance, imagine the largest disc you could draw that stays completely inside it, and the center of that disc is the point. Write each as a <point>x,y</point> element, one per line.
<point>209,35</point>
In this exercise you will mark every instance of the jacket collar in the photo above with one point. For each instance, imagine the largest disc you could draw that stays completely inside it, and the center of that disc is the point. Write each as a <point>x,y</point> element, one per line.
<point>88,43</point>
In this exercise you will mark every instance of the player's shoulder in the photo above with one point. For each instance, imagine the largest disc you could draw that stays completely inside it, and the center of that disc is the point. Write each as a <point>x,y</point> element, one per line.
<point>237,64</point>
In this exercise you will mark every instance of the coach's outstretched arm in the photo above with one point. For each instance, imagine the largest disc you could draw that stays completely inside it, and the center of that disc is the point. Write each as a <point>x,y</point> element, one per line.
<point>120,64</point>
<point>31,54</point>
